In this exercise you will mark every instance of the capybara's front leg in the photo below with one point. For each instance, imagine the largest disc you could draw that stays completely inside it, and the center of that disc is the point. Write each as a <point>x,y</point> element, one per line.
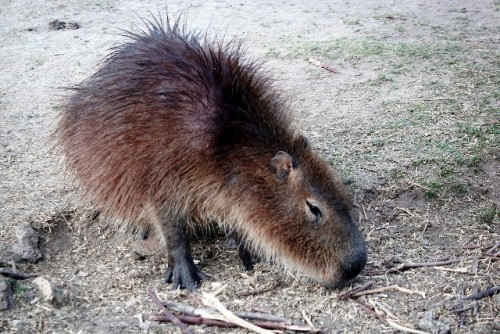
<point>181,272</point>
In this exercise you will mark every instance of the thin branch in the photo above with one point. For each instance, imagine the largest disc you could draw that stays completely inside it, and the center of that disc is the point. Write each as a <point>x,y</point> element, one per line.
<point>463,309</point>
<point>404,329</point>
<point>172,318</point>
<point>200,312</point>
<point>492,257</point>
<point>322,65</point>
<point>385,288</point>
<point>212,301</point>
<point>411,265</point>
<point>219,290</point>
<point>461,314</point>
<point>17,275</point>
<point>420,186</point>
<point>307,319</point>
<point>483,294</point>
<point>349,293</point>
<point>193,320</point>
<point>371,310</point>
<point>459,270</point>
<point>261,291</point>
<point>492,249</point>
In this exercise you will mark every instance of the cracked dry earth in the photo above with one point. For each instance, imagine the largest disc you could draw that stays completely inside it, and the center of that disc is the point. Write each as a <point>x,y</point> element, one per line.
<point>410,117</point>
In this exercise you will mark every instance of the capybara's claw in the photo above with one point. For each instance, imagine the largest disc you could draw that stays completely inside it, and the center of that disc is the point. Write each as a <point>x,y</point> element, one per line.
<point>185,276</point>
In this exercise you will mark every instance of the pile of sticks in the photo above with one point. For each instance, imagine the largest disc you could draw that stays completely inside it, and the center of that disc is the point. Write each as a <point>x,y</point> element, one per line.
<point>216,314</point>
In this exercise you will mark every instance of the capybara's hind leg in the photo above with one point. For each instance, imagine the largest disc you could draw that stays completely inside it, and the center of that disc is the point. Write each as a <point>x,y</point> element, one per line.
<point>181,272</point>
<point>246,256</point>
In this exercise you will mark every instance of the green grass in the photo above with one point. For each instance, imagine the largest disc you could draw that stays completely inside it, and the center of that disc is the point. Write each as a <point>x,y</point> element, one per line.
<point>445,122</point>
<point>488,215</point>
<point>19,288</point>
<point>352,49</point>
<point>433,188</point>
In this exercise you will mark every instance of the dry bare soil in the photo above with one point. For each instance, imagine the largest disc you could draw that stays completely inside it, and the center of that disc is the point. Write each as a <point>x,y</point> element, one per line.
<point>411,119</point>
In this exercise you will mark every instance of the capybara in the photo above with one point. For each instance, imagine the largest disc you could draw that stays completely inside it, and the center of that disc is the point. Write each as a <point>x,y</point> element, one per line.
<point>176,132</point>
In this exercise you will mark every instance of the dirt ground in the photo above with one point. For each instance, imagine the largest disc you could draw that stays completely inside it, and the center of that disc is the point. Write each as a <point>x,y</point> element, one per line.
<point>410,117</point>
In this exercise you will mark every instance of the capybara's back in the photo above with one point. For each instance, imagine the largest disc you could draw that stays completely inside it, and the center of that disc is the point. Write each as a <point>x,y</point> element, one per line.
<point>175,132</point>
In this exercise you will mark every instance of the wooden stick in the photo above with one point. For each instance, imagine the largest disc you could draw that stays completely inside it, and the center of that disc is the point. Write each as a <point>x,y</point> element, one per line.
<point>194,320</point>
<point>322,65</point>
<point>349,293</point>
<point>404,329</point>
<point>378,305</point>
<point>411,265</point>
<point>461,313</point>
<point>370,310</point>
<point>220,323</point>
<point>212,301</point>
<point>200,312</point>
<point>17,275</point>
<point>172,318</point>
<point>463,309</point>
<point>219,290</point>
<point>261,291</point>
<point>493,257</point>
<point>307,319</point>
<point>385,288</point>
<point>483,294</point>
<point>420,186</point>
<point>459,270</point>
<point>492,249</point>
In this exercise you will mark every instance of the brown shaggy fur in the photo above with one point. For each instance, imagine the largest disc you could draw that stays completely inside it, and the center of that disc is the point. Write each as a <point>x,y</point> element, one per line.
<point>177,130</point>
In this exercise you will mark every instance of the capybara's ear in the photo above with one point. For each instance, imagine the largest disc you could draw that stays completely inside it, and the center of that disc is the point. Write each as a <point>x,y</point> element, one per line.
<point>303,143</point>
<point>282,165</point>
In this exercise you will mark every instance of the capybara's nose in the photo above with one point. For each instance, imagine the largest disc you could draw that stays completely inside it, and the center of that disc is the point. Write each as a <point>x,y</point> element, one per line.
<point>353,265</point>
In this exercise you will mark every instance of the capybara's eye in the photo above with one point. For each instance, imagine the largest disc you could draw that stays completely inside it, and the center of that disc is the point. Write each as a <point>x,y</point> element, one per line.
<point>314,210</point>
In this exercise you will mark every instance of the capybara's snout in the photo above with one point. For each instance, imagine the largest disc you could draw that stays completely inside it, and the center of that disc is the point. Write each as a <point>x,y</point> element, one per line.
<point>354,263</point>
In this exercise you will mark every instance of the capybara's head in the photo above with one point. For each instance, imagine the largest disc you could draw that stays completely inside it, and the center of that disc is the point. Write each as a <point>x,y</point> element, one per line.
<point>304,217</point>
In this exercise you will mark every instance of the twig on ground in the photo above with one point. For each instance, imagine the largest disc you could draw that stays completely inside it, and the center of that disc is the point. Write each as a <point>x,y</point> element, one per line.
<point>461,314</point>
<point>385,288</point>
<point>492,249</point>
<point>463,309</point>
<point>411,265</point>
<point>370,309</point>
<point>307,319</point>
<point>459,270</point>
<point>420,186</point>
<point>406,211</point>
<point>195,320</point>
<point>322,65</point>
<point>172,318</point>
<point>493,257</point>
<point>219,290</point>
<point>200,312</point>
<point>483,294</point>
<point>378,305</point>
<point>404,329</point>
<point>212,301</point>
<point>17,275</point>
<point>349,293</point>
<point>261,291</point>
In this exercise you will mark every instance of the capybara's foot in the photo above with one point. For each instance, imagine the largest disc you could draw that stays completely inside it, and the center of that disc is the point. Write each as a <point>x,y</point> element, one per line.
<point>184,274</point>
<point>247,257</point>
